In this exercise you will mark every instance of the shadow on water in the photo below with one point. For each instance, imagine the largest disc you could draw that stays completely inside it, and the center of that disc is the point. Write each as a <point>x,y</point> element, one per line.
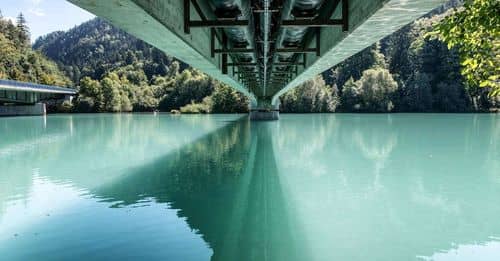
<point>227,187</point>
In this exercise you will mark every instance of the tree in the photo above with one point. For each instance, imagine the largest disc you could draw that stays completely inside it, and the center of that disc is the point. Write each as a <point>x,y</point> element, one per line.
<point>225,99</point>
<point>312,96</point>
<point>475,31</point>
<point>204,107</point>
<point>378,57</point>
<point>352,67</point>
<point>23,30</point>
<point>130,57</point>
<point>126,105</point>
<point>377,90</point>
<point>351,100</point>
<point>111,93</point>
<point>174,69</point>
<point>449,98</point>
<point>145,99</point>
<point>418,94</point>
<point>374,92</point>
<point>190,86</point>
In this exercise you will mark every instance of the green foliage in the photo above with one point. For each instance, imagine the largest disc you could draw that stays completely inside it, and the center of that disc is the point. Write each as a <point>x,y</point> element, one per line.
<point>475,31</point>
<point>190,86</point>
<point>90,97</point>
<point>418,95</point>
<point>450,98</point>
<point>96,48</point>
<point>19,62</point>
<point>145,99</point>
<point>65,106</point>
<point>352,67</point>
<point>374,92</point>
<point>225,99</point>
<point>312,96</point>
<point>426,71</point>
<point>124,90</point>
<point>351,100</point>
<point>85,104</point>
<point>23,33</point>
<point>203,107</point>
<point>114,94</point>
<point>377,90</point>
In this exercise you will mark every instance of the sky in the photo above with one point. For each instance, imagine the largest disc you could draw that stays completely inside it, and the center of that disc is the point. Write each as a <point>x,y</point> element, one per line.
<point>45,16</point>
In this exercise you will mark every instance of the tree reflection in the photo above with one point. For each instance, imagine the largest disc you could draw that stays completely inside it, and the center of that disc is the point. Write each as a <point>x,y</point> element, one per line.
<point>376,144</point>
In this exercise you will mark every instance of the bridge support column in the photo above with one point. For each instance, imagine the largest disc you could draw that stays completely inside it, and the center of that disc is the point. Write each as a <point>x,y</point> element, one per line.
<point>23,110</point>
<point>264,111</point>
<point>264,115</point>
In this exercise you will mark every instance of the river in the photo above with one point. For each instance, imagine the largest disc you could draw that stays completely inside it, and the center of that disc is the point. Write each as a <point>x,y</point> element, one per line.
<point>218,187</point>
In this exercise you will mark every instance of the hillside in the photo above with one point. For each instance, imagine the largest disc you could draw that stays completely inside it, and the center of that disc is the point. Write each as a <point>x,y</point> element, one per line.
<point>117,72</point>
<point>95,47</point>
<point>18,61</point>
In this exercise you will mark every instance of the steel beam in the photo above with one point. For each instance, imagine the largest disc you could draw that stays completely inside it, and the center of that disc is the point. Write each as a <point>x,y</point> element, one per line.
<point>219,23</point>
<point>312,23</point>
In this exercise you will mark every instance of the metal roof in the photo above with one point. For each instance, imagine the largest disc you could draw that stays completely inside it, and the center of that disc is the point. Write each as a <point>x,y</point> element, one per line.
<point>33,87</point>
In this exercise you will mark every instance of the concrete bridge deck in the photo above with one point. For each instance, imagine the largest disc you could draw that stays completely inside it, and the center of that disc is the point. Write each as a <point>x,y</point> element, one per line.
<point>262,48</point>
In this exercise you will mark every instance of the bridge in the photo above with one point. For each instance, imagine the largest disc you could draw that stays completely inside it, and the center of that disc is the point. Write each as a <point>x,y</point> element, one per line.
<point>261,48</point>
<point>23,98</point>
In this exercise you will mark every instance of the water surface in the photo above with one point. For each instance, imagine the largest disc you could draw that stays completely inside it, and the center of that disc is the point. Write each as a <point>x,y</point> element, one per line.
<point>307,187</point>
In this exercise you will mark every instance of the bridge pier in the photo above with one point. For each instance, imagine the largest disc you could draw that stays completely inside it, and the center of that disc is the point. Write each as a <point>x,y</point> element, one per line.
<point>264,110</point>
<point>36,109</point>
<point>264,115</point>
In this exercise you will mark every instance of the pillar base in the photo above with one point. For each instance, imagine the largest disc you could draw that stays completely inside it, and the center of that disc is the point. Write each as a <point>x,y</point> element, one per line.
<point>264,115</point>
<point>23,110</point>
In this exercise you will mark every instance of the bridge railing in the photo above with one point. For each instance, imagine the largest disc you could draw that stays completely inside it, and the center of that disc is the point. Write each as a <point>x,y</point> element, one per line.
<point>34,87</point>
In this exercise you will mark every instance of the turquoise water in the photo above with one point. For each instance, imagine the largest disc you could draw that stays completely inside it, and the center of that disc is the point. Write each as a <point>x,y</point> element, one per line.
<point>307,187</point>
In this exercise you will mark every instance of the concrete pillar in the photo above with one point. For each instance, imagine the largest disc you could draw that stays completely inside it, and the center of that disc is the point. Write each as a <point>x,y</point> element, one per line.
<point>68,98</point>
<point>264,115</point>
<point>23,110</point>
<point>264,111</point>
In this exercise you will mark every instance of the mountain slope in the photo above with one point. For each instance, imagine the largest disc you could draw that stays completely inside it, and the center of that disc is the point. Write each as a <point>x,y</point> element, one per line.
<point>96,47</point>
<point>19,62</point>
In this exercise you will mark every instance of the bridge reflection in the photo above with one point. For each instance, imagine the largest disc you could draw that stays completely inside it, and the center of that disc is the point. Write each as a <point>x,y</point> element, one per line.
<point>230,193</point>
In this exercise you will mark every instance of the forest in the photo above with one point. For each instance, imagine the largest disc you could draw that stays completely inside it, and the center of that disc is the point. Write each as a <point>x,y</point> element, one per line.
<point>412,70</point>
<point>18,61</point>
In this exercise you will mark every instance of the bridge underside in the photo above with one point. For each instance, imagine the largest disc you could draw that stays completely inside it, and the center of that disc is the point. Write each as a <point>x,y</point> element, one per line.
<point>261,48</point>
<point>26,97</point>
